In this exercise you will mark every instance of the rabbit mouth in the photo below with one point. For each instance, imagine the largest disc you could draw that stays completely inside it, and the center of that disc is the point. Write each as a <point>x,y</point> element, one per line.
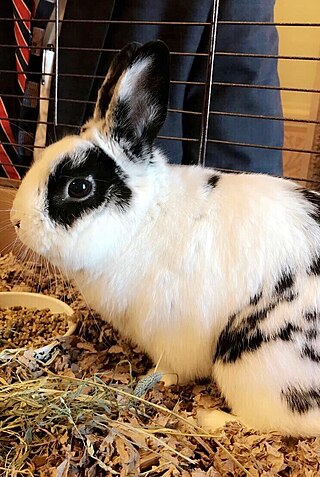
<point>36,243</point>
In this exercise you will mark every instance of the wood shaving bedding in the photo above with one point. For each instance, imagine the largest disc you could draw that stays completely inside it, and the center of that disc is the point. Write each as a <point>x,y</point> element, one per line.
<point>89,413</point>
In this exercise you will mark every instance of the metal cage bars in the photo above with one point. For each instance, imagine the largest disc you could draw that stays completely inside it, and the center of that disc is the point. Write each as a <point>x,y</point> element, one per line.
<point>207,85</point>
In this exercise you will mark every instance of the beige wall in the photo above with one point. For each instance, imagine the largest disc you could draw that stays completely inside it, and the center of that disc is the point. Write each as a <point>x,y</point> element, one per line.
<point>299,41</point>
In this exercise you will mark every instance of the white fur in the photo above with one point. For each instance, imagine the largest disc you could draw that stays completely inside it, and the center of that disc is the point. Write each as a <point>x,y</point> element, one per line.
<point>170,270</point>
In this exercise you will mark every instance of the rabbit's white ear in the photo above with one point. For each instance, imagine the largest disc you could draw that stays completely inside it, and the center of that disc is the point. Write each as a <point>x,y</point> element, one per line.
<point>138,106</point>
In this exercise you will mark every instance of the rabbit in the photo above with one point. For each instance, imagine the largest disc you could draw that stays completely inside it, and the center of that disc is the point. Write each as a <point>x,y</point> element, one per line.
<point>214,274</point>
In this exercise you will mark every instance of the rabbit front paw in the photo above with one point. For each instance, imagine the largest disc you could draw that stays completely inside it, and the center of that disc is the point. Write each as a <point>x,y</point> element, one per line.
<point>210,420</point>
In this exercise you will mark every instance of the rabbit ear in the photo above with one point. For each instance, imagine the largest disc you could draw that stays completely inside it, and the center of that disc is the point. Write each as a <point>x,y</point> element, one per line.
<point>138,107</point>
<point>119,63</point>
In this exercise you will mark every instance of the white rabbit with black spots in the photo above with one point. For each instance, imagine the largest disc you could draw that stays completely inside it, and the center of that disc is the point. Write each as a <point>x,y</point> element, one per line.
<point>216,274</point>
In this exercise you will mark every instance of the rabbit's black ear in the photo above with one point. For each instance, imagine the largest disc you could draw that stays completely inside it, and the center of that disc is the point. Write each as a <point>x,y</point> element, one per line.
<point>118,65</point>
<point>138,107</point>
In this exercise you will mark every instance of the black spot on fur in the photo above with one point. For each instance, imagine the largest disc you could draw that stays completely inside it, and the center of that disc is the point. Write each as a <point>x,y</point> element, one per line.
<point>314,199</point>
<point>311,316</point>
<point>233,344</point>
<point>286,333</point>
<point>285,283</point>
<point>109,187</point>
<point>314,268</point>
<point>312,334</point>
<point>290,296</point>
<point>310,353</point>
<point>246,336</point>
<point>255,299</point>
<point>213,181</point>
<point>259,315</point>
<point>301,400</point>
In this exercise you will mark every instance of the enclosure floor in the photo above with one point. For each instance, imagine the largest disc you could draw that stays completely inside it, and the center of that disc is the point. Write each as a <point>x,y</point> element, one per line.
<point>75,414</point>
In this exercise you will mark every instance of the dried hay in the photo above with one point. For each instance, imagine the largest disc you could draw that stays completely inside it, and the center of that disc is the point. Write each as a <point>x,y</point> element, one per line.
<point>84,410</point>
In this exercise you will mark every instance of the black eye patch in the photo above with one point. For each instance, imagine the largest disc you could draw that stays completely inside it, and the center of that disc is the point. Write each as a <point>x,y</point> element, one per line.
<point>67,199</point>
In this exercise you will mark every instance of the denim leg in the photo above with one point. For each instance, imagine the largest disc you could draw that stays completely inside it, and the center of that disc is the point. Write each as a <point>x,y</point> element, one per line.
<point>259,71</point>
<point>179,38</point>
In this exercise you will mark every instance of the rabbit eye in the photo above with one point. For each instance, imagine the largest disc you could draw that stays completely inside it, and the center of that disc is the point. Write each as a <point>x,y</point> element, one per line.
<point>79,188</point>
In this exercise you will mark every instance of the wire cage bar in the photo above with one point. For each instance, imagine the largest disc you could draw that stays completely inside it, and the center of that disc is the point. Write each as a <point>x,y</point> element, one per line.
<point>203,114</point>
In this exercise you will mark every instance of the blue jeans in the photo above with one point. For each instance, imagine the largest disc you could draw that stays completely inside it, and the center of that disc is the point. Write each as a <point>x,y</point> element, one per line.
<point>189,38</point>
<point>258,71</point>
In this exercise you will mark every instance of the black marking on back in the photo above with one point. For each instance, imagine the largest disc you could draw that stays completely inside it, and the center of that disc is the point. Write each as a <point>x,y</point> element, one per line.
<point>232,344</point>
<point>286,333</point>
<point>244,337</point>
<point>254,300</point>
<point>314,268</point>
<point>312,334</point>
<point>238,338</point>
<point>284,283</point>
<point>290,295</point>
<point>314,199</point>
<point>301,400</point>
<point>257,316</point>
<point>311,316</point>
<point>213,181</point>
<point>310,353</point>
<point>109,181</point>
